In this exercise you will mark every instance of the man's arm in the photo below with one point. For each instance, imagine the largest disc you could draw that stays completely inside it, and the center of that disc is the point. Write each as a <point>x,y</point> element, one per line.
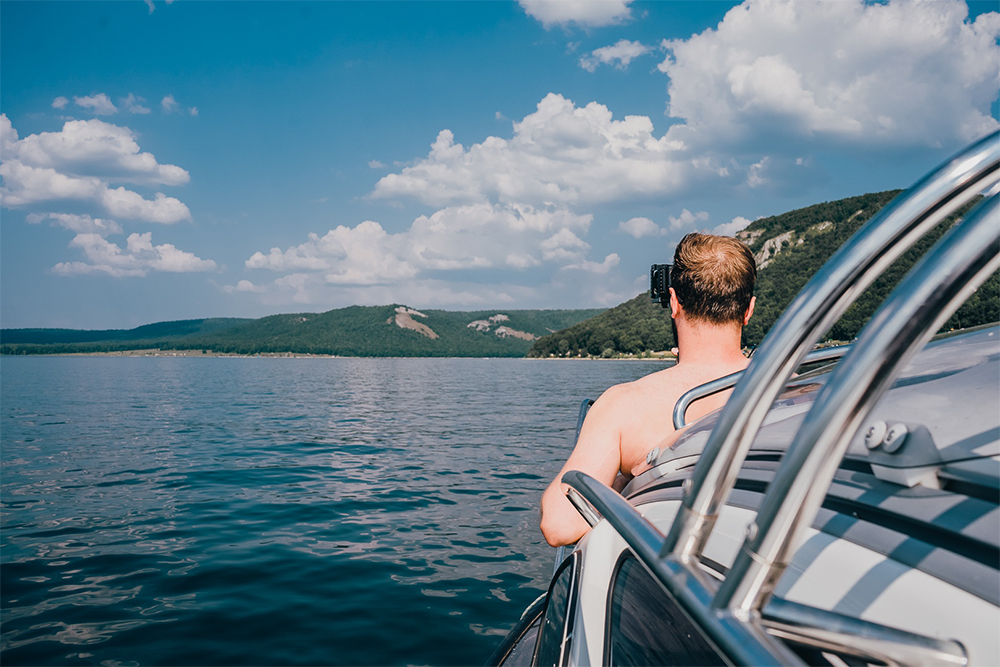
<point>598,454</point>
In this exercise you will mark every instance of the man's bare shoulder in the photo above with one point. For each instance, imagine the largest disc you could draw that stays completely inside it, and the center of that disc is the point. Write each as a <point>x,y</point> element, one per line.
<point>629,395</point>
<point>665,376</point>
<point>611,398</point>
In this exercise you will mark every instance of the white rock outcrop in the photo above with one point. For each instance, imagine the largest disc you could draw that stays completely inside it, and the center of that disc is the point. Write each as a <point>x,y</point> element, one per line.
<point>771,248</point>
<point>404,320</point>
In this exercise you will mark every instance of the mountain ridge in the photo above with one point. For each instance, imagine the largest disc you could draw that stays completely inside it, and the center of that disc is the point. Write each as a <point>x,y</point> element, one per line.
<point>391,330</point>
<point>789,249</point>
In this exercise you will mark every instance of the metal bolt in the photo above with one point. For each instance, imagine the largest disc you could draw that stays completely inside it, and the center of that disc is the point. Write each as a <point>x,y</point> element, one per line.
<point>895,438</point>
<point>874,435</point>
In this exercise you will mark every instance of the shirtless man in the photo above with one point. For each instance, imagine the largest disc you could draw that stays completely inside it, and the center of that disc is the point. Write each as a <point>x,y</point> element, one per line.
<point>711,300</point>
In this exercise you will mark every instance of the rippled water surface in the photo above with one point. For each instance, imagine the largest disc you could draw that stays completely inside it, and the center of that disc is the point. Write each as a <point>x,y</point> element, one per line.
<point>161,511</point>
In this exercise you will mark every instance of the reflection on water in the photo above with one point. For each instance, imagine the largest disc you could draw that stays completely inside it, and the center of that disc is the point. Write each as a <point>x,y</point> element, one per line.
<point>277,511</point>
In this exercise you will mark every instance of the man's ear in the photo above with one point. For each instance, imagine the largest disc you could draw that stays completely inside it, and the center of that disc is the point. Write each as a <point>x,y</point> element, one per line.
<point>675,305</point>
<point>746,318</point>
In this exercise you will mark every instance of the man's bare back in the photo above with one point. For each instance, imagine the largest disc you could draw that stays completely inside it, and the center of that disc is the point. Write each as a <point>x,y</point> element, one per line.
<point>711,300</point>
<point>624,424</point>
<point>647,406</point>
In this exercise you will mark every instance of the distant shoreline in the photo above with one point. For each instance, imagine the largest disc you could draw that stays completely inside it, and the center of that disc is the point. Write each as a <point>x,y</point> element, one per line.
<point>155,352</point>
<point>208,354</point>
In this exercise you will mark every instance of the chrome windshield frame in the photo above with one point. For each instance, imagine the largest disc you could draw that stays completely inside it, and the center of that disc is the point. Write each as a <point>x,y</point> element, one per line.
<point>736,615</point>
<point>728,381</point>
<point>929,294</point>
<point>872,249</point>
<point>755,640</point>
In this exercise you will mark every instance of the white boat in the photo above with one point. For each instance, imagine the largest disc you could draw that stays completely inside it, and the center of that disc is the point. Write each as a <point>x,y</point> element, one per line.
<point>845,515</point>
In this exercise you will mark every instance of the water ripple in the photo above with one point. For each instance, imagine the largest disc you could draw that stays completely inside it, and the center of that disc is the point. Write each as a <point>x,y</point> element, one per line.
<point>277,511</point>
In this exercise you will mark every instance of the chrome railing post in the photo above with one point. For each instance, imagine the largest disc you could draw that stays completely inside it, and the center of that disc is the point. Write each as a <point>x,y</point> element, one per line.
<point>701,391</point>
<point>871,250</point>
<point>961,261</point>
<point>728,381</point>
<point>564,550</point>
<point>581,417</point>
<point>742,643</point>
<point>755,641</point>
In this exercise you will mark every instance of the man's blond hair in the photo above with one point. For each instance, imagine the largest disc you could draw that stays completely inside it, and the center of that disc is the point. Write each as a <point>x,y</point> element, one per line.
<point>713,277</point>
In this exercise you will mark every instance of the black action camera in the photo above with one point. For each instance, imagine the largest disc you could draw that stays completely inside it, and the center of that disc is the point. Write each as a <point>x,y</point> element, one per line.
<point>659,284</point>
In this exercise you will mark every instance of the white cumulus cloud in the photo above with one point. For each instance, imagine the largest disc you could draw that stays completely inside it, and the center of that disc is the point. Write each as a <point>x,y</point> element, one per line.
<point>687,219</point>
<point>756,97</point>
<point>165,257</point>
<point>247,286</point>
<point>133,104</point>
<point>755,102</point>
<point>123,203</point>
<point>169,104</point>
<point>618,55</point>
<point>59,102</point>
<point>361,255</point>
<point>96,148</point>
<point>640,227</point>
<point>563,246</point>
<point>584,13</point>
<point>80,224</point>
<point>137,258</point>
<point>244,286</point>
<point>487,235</point>
<point>560,154</point>
<point>474,236</point>
<point>730,228</point>
<point>299,284</point>
<point>99,104</point>
<point>643,227</point>
<point>600,268</point>
<point>895,74</point>
<point>78,165</point>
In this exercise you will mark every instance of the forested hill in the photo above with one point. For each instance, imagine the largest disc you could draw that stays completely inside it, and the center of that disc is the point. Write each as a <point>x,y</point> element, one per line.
<point>376,331</point>
<point>157,331</point>
<point>789,249</point>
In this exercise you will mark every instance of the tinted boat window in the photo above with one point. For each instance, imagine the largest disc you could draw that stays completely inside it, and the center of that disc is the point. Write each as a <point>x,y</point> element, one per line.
<point>550,639</point>
<point>520,655</point>
<point>647,628</point>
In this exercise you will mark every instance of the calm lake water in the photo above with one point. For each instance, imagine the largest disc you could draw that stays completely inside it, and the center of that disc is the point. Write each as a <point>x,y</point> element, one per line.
<point>162,511</point>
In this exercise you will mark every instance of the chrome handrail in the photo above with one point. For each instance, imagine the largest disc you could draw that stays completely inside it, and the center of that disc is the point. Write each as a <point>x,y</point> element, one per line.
<point>735,616</point>
<point>727,381</point>
<point>563,550</point>
<point>871,250</point>
<point>581,417</point>
<point>754,642</point>
<point>830,631</point>
<point>743,643</point>
<point>933,290</point>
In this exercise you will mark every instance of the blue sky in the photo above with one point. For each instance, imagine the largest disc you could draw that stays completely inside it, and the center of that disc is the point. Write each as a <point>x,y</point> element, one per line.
<point>200,159</point>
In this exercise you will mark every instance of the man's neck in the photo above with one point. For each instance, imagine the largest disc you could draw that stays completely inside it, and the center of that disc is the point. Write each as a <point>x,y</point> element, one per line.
<point>704,343</point>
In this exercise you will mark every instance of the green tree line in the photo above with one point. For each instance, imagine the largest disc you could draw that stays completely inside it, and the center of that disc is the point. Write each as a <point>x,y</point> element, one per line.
<point>797,244</point>
<point>353,331</point>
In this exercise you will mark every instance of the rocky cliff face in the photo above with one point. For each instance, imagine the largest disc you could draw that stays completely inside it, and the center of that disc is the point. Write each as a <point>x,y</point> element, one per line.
<point>789,249</point>
<point>501,331</point>
<point>404,320</point>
